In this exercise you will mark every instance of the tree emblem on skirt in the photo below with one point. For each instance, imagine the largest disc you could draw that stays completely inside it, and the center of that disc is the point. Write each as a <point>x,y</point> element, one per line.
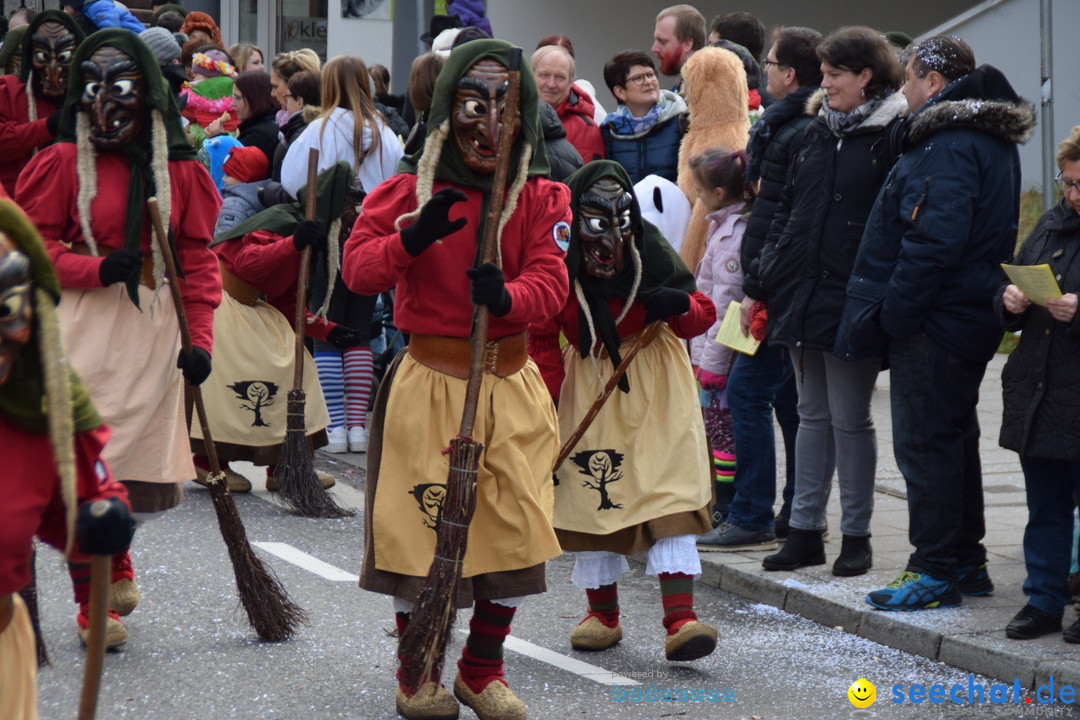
<point>600,467</point>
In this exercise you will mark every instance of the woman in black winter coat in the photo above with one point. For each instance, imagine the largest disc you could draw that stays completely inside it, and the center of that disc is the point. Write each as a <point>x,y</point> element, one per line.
<point>1041,389</point>
<point>255,108</point>
<point>803,270</point>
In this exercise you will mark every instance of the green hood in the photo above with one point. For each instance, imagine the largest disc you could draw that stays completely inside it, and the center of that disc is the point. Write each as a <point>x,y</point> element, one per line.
<point>452,167</point>
<point>13,42</point>
<point>158,97</point>
<point>22,397</point>
<point>27,50</point>
<point>661,265</point>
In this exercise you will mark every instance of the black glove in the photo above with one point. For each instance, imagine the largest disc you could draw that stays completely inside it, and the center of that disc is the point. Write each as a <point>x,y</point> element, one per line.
<point>434,222</point>
<point>196,366</point>
<point>489,288</point>
<point>117,265</point>
<point>104,527</point>
<point>344,338</point>
<point>307,235</point>
<point>52,123</point>
<point>661,303</point>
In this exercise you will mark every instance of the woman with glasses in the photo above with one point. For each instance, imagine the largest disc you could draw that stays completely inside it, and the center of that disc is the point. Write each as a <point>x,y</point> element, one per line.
<point>644,133</point>
<point>1040,386</point>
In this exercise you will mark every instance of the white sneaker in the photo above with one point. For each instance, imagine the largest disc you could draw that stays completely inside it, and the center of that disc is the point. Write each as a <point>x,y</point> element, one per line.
<point>338,441</point>
<point>358,439</point>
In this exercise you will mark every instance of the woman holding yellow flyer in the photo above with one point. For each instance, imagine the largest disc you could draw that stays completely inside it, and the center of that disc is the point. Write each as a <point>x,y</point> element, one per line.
<point>1041,417</point>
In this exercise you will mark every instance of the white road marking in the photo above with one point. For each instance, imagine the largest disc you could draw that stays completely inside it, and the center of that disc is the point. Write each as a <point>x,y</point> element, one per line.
<point>307,562</point>
<point>524,647</point>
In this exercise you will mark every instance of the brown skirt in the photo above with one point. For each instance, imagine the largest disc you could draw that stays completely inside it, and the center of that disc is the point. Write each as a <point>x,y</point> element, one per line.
<point>514,582</point>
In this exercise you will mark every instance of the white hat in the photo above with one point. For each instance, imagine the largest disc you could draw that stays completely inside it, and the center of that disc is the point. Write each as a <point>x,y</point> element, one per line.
<point>444,42</point>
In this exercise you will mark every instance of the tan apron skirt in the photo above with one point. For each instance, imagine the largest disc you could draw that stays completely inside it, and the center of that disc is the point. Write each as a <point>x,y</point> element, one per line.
<point>18,666</point>
<point>417,412</point>
<point>246,392</point>
<point>642,469</point>
<point>127,358</point>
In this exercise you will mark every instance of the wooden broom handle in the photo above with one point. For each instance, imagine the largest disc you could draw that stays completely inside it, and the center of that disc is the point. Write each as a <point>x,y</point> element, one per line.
<point>647,336</point>
<point>481,313</point>
<point>185,330</point>
<point>305,269</point>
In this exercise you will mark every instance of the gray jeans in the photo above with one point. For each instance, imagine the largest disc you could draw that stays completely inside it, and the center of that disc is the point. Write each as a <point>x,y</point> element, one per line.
<point>836,431</point>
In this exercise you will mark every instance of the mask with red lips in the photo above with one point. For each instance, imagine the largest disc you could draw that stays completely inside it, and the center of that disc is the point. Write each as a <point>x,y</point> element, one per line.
<point>604,227</point>
<point>113,98</point>
<point>476,116</point>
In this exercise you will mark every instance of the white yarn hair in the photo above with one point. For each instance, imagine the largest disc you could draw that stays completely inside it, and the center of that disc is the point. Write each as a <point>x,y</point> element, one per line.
<point>31,106</point>
<point>333,265</point>
<point>86,168</point>
<point>61,425</point>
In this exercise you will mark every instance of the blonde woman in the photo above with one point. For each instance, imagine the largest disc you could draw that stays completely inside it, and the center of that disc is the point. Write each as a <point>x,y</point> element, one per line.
<point>282,68</point>
<point>247,57</point>
<point>349,129</point>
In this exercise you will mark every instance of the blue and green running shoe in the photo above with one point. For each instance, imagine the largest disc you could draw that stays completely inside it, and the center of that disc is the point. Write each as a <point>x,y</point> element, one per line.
<point>915,591</point>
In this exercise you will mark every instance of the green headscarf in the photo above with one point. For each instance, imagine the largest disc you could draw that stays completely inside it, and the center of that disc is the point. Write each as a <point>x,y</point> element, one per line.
<point>661,265</point>
<point>27,49</point>
<point>452,167</point>
<point>164,9</point>
<point>158,97</point>
<point>13,40</point>
<point>22,397</point>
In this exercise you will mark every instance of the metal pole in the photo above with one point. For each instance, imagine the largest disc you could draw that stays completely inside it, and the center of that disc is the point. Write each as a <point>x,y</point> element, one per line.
<point>1046,115</point>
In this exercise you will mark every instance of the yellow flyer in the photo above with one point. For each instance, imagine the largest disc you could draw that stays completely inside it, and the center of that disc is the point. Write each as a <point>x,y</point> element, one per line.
<point>1035,281</point>
<point>731,333</point>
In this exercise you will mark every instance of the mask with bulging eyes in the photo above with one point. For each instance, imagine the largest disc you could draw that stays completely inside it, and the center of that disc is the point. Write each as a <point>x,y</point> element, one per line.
<point>15,309</point>
<point>478,113</point>
<point>604,226</point>
<point>52,48</point>
<point>113,98</point>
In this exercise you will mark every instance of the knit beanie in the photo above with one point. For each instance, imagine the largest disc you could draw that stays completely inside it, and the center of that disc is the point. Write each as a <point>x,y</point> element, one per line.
<point>162,43</point>
<point>247,164</point>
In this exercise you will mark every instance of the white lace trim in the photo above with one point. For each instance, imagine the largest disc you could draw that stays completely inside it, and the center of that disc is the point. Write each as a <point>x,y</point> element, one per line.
<point>403,606</point>
<point>676,554</point>
<point>594,568</point>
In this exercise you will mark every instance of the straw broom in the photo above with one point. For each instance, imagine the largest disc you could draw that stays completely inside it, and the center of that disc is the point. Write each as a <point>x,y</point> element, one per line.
<point>300,487</point>
<point>647,336</point>
<point>270,611</point>
<point>423,646</point>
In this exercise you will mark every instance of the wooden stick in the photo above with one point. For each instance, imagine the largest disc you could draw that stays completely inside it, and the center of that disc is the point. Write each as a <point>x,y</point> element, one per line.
<point>647,336</point>
<point>305,269</point>
<point>100,570</point>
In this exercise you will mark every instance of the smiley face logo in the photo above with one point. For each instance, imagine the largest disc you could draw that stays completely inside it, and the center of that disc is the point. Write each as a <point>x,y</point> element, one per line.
<point>862,693</point>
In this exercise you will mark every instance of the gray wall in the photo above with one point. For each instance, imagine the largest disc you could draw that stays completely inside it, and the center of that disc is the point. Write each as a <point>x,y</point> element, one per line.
<point>599,29</point>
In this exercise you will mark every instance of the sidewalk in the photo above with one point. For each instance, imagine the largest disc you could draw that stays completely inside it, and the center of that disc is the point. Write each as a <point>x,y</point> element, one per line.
<point>970,637</point>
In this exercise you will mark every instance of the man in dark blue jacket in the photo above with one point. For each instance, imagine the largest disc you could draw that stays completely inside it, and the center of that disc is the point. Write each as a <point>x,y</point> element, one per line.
<point>924,282</point>
<point>764,382</point>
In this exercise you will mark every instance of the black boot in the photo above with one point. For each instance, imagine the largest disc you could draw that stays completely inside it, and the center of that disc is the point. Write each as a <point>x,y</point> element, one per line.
<point>803,547</point>
<point>855,556</point>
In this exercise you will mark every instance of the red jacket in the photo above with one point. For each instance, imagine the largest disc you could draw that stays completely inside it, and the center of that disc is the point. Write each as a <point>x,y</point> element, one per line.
<point>433,292</point>
<point>576,113</point>
<point>47,191</point>
<point>544,337</point>
<point>18,136</point>
<point>271,264</point>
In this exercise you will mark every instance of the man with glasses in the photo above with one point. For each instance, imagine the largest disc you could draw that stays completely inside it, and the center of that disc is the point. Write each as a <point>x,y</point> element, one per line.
<point>762,383</point>
<point>643,133</point>
<point>924,281</point>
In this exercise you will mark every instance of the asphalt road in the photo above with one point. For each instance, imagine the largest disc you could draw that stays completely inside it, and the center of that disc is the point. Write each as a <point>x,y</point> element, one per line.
<point>192,656</point>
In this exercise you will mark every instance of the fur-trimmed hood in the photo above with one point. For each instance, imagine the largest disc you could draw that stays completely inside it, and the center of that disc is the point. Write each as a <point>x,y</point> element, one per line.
<point>983,100</point>
<point>892,107</point>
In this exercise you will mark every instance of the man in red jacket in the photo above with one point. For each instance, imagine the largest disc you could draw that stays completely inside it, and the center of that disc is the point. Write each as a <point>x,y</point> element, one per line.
<point>554,68</point>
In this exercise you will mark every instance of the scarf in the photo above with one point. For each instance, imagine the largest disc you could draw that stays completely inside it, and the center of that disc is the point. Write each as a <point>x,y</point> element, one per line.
<point>842,124</point>
<point>158,97</point>
<point>660,264</point>
<point>622,122</point>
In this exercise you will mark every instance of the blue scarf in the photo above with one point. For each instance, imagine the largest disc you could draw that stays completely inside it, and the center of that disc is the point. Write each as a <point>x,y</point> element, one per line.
<point>623,123</point>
